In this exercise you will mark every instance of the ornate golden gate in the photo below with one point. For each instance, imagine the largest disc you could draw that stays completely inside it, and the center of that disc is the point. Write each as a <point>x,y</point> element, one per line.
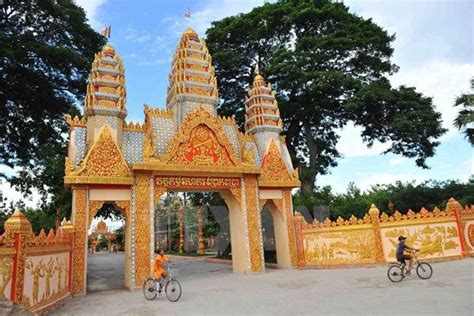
<point>186,147</point>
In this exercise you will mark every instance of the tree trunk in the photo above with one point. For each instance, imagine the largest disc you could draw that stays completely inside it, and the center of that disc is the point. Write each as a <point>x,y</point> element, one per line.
<point>181,228</point>
<point>308,174</point>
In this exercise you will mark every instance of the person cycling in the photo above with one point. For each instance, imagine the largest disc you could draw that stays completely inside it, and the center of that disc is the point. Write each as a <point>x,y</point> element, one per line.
<point>158,271</point>
<point>401,256</point>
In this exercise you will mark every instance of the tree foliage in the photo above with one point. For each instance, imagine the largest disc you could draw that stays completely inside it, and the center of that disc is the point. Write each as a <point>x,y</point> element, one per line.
<point>404,196</point>
<point>465,118</point>
<point>46,49</point>
<point>329,67</point>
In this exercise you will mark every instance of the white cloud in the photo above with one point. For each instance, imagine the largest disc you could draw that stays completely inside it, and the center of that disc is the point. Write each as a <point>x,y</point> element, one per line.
<point>92,11</point>
<point>350,144</point>
<point>397,161</point>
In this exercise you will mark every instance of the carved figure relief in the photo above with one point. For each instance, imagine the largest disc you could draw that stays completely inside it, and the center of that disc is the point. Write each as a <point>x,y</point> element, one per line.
<point>5,273</point>
<point>432,240</point>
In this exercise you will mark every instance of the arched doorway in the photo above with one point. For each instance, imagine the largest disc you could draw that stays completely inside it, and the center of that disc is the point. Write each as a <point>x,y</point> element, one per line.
<point>280,233</point>
<point>107,247</point>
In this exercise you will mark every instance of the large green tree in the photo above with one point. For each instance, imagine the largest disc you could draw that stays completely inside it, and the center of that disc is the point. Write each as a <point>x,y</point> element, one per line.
<point>329,67</point>
<point>46,49</point>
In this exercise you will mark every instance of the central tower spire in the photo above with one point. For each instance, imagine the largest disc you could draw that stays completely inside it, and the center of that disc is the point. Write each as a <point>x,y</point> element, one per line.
<point>192,83</point>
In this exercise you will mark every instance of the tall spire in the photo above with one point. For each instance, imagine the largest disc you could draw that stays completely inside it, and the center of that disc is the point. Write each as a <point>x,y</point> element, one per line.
<point>106,87</point>
<point>192,83</point>
<point>261,107</point>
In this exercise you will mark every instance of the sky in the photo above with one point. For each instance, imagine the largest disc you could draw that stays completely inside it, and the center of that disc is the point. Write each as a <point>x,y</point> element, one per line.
<point>433,49</point>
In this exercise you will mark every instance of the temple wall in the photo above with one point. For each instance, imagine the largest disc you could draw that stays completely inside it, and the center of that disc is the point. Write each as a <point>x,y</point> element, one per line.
<point>35,271</point>
<point>440,235</point>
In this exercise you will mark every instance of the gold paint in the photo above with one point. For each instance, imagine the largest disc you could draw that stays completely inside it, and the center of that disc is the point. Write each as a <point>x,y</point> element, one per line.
<point>254,223</point>
<point>142,228</point>
<point>80,237</point>
<point>290,226</point>
<point>6,271</point>
<point>104,159</point>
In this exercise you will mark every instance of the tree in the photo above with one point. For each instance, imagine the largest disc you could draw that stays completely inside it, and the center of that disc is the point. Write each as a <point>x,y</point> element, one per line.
<point>465,119</point>
<point>329,67</point>
<point>46,50</point>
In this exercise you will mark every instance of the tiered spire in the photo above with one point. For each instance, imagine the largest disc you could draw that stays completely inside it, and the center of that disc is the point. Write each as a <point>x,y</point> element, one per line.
<point>261,107</point>
<point>192,82</point>
<point>106,88</point>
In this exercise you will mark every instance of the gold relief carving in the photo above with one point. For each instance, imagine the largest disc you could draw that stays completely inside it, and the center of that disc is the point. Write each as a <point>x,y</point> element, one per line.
<point>76,121</point>
<point>201,141</point>
<point>6,270</point>
<point>80,239</point>
<point>432,240</point>
<point>148,147</point>
<point>142,228</point>
<point>69,167</point>
<point>253,220</point>
<point>104,159</point>
<point>136,127</point>
<point>290,225</point>
<point>158,192</point>
<point>273,166</point>
<point>249,156</point>
<point>344,247</point>
<point>152,112</point>
<point>470,234</point>
<point>202,149</point>
<point>61,267</point>
<point>197,182</point>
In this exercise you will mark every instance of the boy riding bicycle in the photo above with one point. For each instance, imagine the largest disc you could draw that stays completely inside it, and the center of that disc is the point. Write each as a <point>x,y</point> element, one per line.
<point>401,256</point>
<point>158,271</point>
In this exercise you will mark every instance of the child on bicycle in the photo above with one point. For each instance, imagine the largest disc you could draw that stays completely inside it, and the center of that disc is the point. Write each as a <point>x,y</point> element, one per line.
<point>401,256</point>
<point>158,271</point>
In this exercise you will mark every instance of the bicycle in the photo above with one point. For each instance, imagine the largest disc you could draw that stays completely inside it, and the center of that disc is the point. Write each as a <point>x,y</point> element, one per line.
<point>398,271</point>
<point>153,287</point>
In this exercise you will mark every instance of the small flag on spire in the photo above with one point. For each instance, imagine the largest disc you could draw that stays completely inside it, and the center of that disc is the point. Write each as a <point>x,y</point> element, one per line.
<point>106,31</point>
<point>187,14</point>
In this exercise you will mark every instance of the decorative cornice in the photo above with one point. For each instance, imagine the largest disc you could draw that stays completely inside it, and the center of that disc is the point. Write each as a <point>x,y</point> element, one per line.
<point>76,121</point>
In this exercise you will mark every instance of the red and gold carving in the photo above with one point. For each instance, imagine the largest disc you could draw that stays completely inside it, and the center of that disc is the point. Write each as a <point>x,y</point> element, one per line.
<point>142,228</point>
<point>254,224</point>
<point>197,182</point>
<point>374,216</point>
<point>273,166</point>
<point>291,226</point>
<point>80,238</point>
<point>201,141</point>
<point>202,148</point>
<point>104,159</point>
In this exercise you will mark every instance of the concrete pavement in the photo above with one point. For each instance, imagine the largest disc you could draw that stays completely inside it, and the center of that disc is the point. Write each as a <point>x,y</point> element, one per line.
<point>211,289</point>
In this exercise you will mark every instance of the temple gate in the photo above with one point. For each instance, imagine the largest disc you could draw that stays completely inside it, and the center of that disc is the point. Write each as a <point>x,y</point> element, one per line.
<point>186,147</point>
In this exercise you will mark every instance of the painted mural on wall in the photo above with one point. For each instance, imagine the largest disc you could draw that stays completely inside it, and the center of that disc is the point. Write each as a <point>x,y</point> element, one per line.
<point>343,247</point>
<point>46,279</point>
<point>438,234</point>
<point>433,240</point>
<point>6,272</point>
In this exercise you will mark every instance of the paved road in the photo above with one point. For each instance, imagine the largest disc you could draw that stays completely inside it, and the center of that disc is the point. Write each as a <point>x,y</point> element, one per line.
<point>211,289</point>
<point>105,271</point>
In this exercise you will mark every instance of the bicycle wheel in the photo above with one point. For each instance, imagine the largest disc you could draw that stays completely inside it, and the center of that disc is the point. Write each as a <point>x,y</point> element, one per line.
<point>424,270</point>
<point>149,289</point>
<point>173,290</point>
<point>395,274</point>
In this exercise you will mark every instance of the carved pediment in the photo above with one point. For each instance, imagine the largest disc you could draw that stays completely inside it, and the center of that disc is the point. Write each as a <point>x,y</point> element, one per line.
<point>201,141</point>
<point>273,166</point>
<point>104,159</point>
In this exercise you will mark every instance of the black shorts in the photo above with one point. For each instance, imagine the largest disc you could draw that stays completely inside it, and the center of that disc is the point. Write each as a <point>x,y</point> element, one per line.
<point>402,259</point>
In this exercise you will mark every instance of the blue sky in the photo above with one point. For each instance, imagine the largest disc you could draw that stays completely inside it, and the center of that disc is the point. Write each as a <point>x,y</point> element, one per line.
<point>433,48</point>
